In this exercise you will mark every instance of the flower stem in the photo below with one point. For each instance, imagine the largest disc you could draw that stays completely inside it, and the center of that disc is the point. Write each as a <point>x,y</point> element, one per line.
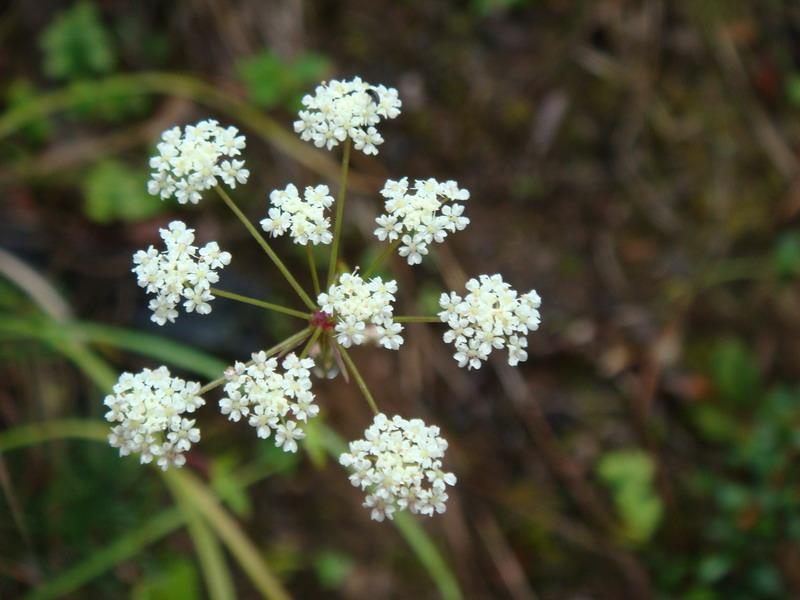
<point>362,385</point>
<point>312,265</point>
<point>289,342</point>
<point>389,249</point>
<point>268,305</point>
<point>310,344</point>
<point>337,228</point>
<point>263,243</point>
<point>415,319</point>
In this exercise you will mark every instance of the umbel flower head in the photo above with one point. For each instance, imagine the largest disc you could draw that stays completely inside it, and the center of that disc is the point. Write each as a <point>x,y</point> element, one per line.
<point>195,159</point>
<point>399,465</point>
<point>149,410</point>
<point>490,316</point>
<point>271,401</point>
<point>354,303</point>
<point>181,272</point>
<point>418,218</point>
<point>304,219</point>
<point>342,109</point>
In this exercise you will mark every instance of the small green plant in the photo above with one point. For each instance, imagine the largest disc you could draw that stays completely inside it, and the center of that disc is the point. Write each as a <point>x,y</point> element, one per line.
<point>271,82</point>
<point>76,45</point>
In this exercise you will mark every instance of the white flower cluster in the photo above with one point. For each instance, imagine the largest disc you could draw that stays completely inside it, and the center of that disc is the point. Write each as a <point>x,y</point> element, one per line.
<point>342,109</point>
<point>149,408</point>
<point>420,218</point>
<point>305,220</point>
<point>354,302</point>
<point>399,465</point>
<point>183,271</point>
<point>192,160</point>
<point>491,316</point>
<point>272,401</point>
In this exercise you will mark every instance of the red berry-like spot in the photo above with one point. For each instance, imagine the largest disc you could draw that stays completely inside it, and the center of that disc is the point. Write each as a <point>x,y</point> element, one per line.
<point>323,320</point>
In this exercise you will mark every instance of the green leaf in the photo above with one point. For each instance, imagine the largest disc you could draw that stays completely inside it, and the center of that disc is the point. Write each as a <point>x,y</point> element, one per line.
<point>112,102</point>
<point>177,581</point>
<point>786,257</point>
<point>630,474</point>
<point>271,82</point>
<point>487,7</point>
<point>264,76</point>
<point>715,424</point>
<point>228,486</point>
<point>714,567</point>
<point>77,45</point>
<point>332,568</point>
<point>735,371</point>
<point>114,192</point>
<point>18,94</point>
<point>793,89</point>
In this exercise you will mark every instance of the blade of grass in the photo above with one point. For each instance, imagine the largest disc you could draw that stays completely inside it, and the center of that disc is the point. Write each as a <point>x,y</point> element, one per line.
<point>147,344</point>
<point>251,561</point>
<point>191,489</point>
<point>123,548</point>
<point>212,560</point>
<point>38,433</point>
<point>428,554</point>
<point>128,544</point>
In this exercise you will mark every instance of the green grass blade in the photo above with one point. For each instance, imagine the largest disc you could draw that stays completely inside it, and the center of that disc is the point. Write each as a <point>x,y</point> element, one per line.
<point>212,560</point>
<point>198,497</point>
<point>38,433</point>
<point>121,549</point>
<point>147,344</point>
<point>428,554</point>
<point>245,552</point>
<point>154,346</point>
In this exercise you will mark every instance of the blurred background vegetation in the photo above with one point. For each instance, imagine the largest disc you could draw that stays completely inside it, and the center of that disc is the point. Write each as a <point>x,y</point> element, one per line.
<point>634,161</point>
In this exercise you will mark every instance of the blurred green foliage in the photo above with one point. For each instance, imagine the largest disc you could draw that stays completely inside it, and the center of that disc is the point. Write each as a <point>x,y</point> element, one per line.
<point>332,568</point>
<point>112,191</point>
<point>734,372</point>
<point>117,102</point>
<point>487,7</point>
<point>747,502</point>
<point>176,580</point>
<point>77,45</point>
<point>271,82</point>
<point>18,94</point>
<point>629,475</point>
<point>787,255</point>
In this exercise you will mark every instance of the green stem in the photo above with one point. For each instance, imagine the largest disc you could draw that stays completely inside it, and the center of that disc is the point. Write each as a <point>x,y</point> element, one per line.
<point>268,305</point>
<point>337,227</point>
<point>362,385</point>
<point>289,342</point>
<point>312,265</point>
<point>310,344</point>
<point>415,319</point>
<point>380,258</point>
<point>263,243</point>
